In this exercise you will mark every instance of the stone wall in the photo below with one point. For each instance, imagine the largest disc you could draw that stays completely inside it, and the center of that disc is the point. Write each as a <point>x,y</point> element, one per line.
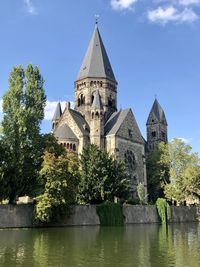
<point>14,216</point>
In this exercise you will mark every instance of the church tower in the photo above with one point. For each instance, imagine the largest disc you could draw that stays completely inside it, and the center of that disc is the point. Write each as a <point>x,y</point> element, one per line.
<point>95,72</point>
<point>97,121</point>
<point>156,127</point>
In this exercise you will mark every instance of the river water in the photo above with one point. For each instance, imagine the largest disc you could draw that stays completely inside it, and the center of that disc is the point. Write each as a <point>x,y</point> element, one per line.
<point>130,246</point>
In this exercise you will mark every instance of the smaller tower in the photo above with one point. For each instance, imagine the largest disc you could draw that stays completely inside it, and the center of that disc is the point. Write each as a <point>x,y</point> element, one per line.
<point>97,121</point>
<point>56,116</point>
<point>156,127</point>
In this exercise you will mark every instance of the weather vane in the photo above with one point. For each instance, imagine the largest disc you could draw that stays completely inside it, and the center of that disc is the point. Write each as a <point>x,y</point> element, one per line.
<point>97,19</point>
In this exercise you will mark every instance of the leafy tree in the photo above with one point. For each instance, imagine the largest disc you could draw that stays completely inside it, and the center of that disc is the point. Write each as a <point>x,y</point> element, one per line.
<point>191,181</point>
<point>102,177</point>
<point>141,193</point>
<point>183,170</point>
<point>59,176</point>
<point>23,108</point>
<point>157,172</point>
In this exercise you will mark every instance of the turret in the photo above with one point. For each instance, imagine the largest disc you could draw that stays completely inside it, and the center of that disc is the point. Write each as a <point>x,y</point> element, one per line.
<point>56,116</point>
<point>97,121</point>
<point>156,127</point>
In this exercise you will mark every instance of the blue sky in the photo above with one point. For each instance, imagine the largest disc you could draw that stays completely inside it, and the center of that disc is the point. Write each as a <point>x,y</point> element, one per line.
<point>153,46</point>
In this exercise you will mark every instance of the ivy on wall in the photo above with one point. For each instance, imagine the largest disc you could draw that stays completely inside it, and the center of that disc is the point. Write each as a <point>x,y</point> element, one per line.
<point>110,214</point>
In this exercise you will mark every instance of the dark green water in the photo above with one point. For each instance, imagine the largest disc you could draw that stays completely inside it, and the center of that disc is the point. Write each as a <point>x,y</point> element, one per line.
<point>134,245</point>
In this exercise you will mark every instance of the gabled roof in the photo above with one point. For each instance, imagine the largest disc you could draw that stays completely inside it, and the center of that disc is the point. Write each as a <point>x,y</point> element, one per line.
<point>115,121</point>
<point>80,121</point>
<point>64,132</point>
<point>158,112</point>
<point>96,63</point>
<point>58,112</point>
<point>97,104</point>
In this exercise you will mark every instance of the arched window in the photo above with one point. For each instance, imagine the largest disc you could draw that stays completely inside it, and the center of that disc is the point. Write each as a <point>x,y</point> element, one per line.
<point>110,101</point>
<point>70,146</point>
<point>74,147</point>
<point>67,145</point>
<point>153,134</point>
<point>64,144</point>
<point>79,102</point>
<point>97,114</point>
<point>91,83</point>
<point>101,84</point>
<point>92,115</point>
<point>92,98</point>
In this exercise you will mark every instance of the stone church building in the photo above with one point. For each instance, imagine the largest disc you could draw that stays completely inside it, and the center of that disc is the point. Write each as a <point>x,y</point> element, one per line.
<point>95,118</point>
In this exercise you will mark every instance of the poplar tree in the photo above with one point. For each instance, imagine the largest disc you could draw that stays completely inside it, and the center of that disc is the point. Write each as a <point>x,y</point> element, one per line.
<point>23,108</point>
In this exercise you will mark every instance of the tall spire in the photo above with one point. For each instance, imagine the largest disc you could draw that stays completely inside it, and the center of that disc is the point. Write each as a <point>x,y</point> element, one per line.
<point>58,112</point>
<point>96,63</point>
<point>158,112</point>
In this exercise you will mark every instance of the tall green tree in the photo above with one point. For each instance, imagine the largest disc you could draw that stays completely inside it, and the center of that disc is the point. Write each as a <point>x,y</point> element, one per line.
<point>102,177</point>
<point>183,170</point>
<point>23,108</point>
<point>157,172</point>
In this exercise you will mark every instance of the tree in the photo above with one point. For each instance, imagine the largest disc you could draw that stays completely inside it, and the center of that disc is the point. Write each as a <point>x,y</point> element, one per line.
<point>141,193</point>
<point>23,108</point>
<point>59,176</point>
<point>183,170</point>
<point>157,172</point>
<point>102,177</point>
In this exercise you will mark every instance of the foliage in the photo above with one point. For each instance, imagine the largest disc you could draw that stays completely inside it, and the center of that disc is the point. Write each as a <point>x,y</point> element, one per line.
<point>23,108</point>
<point>157,172</point>
<point>102,177</point>
<point>110,214</point>
<point>50,144</point>
<point>163,209</point>
<point>59,177</point>
<point>141,193</point>
<point>184,171</point>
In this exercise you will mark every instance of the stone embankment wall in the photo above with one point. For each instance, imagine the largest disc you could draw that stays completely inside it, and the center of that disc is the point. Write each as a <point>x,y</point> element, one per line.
<point>13,216</point>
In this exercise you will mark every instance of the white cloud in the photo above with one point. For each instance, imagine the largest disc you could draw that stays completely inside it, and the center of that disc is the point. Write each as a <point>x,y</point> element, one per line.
<point>185,140</point>
<point>51,106</point>
<point>48,111</point>
<point>164,15</point>
<point>122,4</point>
<point>30,8</point>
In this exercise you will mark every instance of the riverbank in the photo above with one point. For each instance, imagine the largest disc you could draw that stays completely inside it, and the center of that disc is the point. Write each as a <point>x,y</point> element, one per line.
<point>18,216</point>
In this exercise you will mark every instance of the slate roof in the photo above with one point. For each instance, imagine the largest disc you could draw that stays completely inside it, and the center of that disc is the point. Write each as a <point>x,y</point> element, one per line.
<point>115,121</point>
<point>80,121</point>
<point>158,112</point>
<point>96,63</point>
<point>58,112</point>
<point>97,104</point>
<point>64,132</point>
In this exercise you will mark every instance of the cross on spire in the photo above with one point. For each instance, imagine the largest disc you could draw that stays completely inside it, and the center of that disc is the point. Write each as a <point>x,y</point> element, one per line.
<point>97,19</point>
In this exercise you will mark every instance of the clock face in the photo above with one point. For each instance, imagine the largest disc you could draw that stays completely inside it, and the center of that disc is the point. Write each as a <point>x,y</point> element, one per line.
<point>130,160</point>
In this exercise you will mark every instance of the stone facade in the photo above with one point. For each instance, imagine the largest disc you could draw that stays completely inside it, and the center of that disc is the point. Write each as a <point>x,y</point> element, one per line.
<point>95,118</point>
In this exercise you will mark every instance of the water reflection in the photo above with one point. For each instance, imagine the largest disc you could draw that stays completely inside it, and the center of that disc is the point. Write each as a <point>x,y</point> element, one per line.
<point>134,245</point>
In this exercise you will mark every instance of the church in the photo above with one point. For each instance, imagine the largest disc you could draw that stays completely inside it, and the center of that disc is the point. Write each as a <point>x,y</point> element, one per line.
<point>95,118</point>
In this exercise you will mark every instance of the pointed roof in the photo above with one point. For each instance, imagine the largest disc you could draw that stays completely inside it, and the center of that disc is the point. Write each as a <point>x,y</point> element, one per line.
<point>64,132</point>
<point>96,63</point>
<point>58,112</point>
<point>97,104</point>
<point>158,112</point>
